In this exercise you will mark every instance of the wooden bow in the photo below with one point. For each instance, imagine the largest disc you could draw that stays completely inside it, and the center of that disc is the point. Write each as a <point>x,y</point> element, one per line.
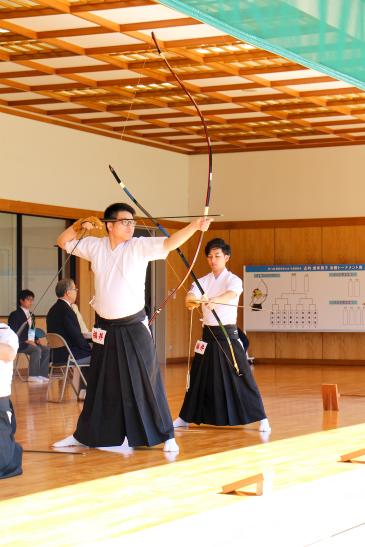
<point>206,212</point>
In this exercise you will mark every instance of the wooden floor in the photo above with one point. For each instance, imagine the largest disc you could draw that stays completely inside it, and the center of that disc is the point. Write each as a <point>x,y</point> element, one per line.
<point>124,493</point>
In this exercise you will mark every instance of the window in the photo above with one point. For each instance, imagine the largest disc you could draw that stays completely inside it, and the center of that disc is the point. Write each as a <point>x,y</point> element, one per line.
<point>29,259</point>
<point>40,259</point>
<point>8,262</point>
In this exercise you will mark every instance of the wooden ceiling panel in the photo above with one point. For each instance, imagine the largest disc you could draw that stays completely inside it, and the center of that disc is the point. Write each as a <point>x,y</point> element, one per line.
<point>92,66</point>
<point>51,22</point>
<point>147,13</point>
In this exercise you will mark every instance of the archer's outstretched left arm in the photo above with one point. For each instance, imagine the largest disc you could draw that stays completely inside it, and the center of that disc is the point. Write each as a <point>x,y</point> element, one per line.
<point>179,237</point>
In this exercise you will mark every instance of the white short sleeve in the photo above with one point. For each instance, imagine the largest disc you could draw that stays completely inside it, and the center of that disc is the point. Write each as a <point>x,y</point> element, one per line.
<point>194,289</point>
<point>152,248</point>
<point>234,284</point>
<point>84,248</point>
<point>8,336</point>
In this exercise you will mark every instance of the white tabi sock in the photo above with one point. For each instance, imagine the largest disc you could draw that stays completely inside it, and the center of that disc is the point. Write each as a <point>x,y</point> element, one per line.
<point>124,448</point>
<point>171,446</point>
<point>68,441</point>
<point>264,436</point>
<point>125,443</point>
<point>264,425</point>
<point>179,422</point>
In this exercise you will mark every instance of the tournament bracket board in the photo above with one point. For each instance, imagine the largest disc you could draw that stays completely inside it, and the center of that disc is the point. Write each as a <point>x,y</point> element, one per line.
<point>304,298</point>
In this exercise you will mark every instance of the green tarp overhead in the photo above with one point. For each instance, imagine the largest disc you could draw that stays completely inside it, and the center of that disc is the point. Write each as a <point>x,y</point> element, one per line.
<point>325,35</point>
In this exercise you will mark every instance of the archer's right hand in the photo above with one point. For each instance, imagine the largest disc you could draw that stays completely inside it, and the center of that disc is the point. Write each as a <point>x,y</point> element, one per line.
<point>88,226</point>
<point>191,302</point>
<point>87,223</point>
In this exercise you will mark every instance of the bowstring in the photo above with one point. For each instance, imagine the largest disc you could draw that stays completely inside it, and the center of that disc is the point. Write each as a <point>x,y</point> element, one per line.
<point>151,231</point>
<point>134,94</point>
<point>148,228</point>
<point>191,320</point>
<point>189,350</point>
<point>234,364</point>
<point>218,341</point>
<point>83,235</point>
<point>190,333</point>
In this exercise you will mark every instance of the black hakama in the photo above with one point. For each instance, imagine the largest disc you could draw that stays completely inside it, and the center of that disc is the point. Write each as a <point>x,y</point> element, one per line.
<point>125,396</point>
<point>217,395</point>
<point>10,451</point>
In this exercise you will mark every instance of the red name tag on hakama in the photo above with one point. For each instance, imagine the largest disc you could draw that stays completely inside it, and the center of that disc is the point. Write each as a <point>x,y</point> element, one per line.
<point>98,336</point>
<point>200,347</point>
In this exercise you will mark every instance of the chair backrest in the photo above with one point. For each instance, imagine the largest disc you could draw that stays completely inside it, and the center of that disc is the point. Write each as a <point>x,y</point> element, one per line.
<point>56,341</point>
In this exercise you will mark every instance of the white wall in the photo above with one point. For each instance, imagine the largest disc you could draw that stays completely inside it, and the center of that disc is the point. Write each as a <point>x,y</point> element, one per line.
<point>307,183</point>
<point>43,163</point>
<point>48,164</point>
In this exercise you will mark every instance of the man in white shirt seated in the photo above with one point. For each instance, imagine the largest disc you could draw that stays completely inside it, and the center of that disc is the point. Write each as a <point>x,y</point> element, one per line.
<point>10,451</point>
<point>22,321</point>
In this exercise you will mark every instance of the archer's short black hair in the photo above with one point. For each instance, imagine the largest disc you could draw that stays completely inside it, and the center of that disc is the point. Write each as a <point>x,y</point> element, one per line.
<point>113,210</point>
<point>25,293</point>
<point>218,243</point>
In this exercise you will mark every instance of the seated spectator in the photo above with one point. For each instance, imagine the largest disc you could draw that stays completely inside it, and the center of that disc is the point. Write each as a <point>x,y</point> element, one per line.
<point>22,321</point>
<point>10,451</point>
<point>61,319</point>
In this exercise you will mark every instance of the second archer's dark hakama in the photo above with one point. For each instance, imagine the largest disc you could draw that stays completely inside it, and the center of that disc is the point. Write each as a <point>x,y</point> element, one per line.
<point>125,396</point>
<point>217,395</point>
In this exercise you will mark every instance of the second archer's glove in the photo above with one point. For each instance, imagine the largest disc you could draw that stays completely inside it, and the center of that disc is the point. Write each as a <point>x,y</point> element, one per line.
<point>191,302</point>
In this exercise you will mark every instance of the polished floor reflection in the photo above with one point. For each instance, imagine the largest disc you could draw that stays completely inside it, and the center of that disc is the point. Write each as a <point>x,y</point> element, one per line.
<point>292,397</point>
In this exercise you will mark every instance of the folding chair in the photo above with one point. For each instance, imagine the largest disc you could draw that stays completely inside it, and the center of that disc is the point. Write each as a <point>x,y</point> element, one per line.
<point>17,367</point>
<point>62,371</point>
<point>19,353</point>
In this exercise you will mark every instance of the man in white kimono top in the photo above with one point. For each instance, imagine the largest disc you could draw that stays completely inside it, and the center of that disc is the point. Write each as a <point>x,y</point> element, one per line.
<point>125,396</point>
<point>218,394</point>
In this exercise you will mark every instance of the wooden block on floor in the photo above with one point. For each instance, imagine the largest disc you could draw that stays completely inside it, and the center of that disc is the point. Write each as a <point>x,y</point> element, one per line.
<point>330,397</point>
<point>258,479</point>
<point>352,455</point>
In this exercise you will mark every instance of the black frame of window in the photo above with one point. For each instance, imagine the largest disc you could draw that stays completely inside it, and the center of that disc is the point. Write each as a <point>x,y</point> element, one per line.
<point>19,254</point>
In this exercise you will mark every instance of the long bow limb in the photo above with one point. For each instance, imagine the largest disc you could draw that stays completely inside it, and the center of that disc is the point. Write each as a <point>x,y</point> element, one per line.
<point>206,207</point>
<point>209,185</point>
